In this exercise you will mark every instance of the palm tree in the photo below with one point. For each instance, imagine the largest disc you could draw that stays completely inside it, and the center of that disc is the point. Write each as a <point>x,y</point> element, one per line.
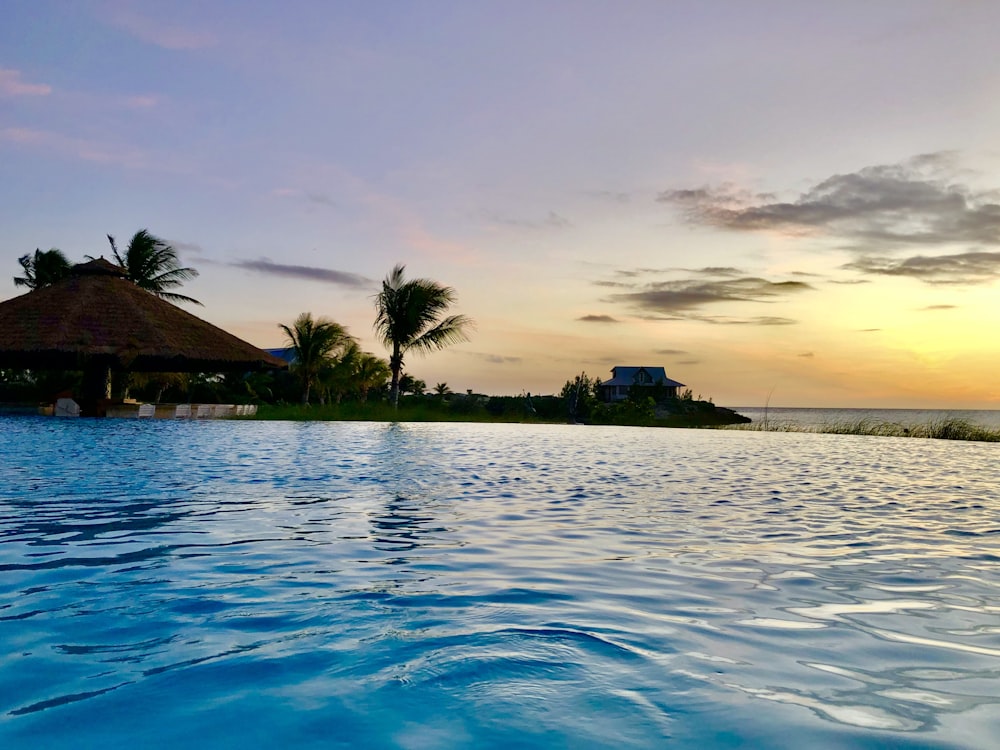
<point>152,264</point>
<point>315,343</point>
<point>408,316</point>
<point>442,389</point>
<point>42,268</point>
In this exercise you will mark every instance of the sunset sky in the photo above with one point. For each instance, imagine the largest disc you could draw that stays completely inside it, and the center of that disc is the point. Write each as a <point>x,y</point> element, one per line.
<point>783,199</point>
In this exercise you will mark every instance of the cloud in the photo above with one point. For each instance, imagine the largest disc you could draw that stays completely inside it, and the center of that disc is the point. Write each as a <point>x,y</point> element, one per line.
<point>670,352</point>
<point>11,84</point>
<point>681,296</point>
<point>495,359</point>
<point>119,154</point>
<point>962,268</point>
<point>916,202</point>
<point>806,355</point>
<point>161,32</point>
<point>760,320</point>
<point>327,275</point>
<point>939,307</point>
<point>598,319</point>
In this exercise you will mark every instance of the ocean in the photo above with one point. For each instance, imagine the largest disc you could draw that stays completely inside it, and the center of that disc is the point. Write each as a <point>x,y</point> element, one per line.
<point>816,419</point>
<point>362,585</point>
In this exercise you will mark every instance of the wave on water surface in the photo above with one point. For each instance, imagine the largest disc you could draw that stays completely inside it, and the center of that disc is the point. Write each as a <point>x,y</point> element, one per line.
<point>246,584</point>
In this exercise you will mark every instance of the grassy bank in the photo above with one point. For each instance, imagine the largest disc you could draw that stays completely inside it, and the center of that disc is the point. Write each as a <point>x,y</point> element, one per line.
<point>940,429</point>
<point>502,409</point>
<point>383,412</point>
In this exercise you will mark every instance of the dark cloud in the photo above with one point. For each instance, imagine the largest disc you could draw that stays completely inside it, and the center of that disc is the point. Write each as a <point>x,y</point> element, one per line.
<point>963,268</point>
<point>598,319</point>
<point>318,198</point>
<point>806,355</point>
<point>681,296</point>
<point>689,362</point>
<point>496,359</point>
<point>726,271</point>
<point>939,307</point>
<point>670,352</point>
<point>327,275</point>
<point>614,284</point>
<point>869,330</point>
<point>760,320</point>
<point>850,281</point>
<point>190,248</point>
<point>917,202</point>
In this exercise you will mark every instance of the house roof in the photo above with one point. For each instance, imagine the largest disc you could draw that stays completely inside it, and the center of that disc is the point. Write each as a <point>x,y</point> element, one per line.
<point>98,314</point>
<point>627,376</point>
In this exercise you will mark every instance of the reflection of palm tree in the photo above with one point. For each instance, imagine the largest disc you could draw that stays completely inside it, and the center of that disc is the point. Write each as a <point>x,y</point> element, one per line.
<point>408,316</point>
<point>42,268</point>
<point>315,343</point>
<point>152,264</point>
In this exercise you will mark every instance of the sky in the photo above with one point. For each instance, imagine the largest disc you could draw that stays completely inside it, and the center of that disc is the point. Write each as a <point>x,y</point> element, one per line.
<point>779,202</point>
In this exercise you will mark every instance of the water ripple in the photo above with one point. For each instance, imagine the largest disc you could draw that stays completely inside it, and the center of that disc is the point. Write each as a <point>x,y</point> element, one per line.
<point>494,585</point>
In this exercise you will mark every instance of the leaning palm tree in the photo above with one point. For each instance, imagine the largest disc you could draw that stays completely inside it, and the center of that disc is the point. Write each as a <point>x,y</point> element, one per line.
<point>316,343</point>
<point>42,268</point>
<point>152,264</point>
<point>409,317</point>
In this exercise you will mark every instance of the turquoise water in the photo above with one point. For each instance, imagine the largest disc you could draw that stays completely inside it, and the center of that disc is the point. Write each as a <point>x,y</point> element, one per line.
<point>251,584</point>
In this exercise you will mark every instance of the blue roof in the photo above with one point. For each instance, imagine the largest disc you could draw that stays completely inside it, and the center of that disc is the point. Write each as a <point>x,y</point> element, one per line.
<point>629,375</point>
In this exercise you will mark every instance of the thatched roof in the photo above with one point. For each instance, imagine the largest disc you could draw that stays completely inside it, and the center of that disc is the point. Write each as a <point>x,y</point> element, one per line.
<point>98,314</point>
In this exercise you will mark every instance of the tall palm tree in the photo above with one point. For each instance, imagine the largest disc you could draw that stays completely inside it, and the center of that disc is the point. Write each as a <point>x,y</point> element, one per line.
<point>152,264</point>
<point>316,343</point>
<point>42,268</point>
<point>408,316</point>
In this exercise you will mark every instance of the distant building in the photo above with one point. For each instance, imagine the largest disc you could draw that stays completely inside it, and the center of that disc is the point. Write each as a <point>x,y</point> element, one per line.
<point>624,378</point>
<point>286,354</point>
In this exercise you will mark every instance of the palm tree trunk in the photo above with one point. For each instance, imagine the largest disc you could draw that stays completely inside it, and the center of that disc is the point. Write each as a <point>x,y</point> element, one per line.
<point>396,365</point>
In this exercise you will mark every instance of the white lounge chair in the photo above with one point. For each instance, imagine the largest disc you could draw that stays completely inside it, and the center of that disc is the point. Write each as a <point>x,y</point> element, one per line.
<point>224,410</point>
<point>183,411</point>
<point>147,410</point>
<point>204,411</point>
<point>66,407</point>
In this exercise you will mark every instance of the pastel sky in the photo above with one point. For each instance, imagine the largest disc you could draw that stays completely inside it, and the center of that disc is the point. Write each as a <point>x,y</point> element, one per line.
<point>782,199</point>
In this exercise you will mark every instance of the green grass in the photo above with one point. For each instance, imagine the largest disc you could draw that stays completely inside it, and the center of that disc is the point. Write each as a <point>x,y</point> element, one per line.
<point>947,428</point>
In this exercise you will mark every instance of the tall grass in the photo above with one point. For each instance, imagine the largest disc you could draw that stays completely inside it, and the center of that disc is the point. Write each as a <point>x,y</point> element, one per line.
<point>946,428</point>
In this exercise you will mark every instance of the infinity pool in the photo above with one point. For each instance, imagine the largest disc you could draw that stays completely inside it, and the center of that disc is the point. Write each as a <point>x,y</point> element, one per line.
<point>323,585</point>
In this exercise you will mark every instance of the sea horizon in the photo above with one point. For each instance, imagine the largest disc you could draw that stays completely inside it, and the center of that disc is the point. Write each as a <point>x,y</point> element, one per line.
<point>812,417</point>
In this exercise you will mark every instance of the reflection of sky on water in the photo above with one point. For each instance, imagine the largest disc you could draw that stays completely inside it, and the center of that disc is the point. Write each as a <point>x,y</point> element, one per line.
<point>651,578</point>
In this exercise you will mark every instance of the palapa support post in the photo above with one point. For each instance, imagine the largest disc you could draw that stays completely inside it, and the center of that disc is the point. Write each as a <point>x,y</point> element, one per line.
<point>95,391</point>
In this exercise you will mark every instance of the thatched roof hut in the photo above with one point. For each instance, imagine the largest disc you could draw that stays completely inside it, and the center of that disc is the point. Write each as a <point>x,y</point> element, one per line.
<point>96,320</point>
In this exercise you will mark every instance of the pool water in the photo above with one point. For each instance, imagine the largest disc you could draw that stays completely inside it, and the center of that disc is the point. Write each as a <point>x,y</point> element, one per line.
<point>324,585</point>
